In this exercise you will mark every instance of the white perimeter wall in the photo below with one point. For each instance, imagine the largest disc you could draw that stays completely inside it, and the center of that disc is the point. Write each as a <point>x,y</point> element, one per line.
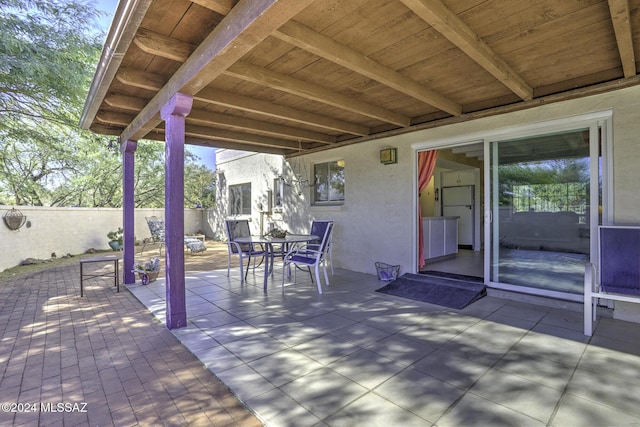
<point>74,230</point>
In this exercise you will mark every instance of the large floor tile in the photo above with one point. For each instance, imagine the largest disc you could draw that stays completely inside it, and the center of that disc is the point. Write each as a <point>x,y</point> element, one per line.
<point>324,392</point>
<point>372,410</point>
<point>423,394</point>
<point>474,410</point>
<point>367,368</point>
<point>517,393</point>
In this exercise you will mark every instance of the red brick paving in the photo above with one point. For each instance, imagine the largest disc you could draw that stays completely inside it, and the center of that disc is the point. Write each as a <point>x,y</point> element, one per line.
<point>105,350</point>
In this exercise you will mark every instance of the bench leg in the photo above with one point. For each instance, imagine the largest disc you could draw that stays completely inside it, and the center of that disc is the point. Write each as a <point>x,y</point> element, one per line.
<point>117,276</point>
<point>81,278</point>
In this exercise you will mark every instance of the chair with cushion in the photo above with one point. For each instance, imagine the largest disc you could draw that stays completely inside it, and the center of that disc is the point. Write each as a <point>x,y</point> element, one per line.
<point>317,229</point>
<point>311,255</point>
<point>240,228</point>
<point>617,277</point>
<point>156,227</point>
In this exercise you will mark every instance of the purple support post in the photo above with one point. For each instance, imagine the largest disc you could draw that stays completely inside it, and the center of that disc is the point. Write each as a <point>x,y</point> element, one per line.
<point>174,113</point>
<point>128,150</point>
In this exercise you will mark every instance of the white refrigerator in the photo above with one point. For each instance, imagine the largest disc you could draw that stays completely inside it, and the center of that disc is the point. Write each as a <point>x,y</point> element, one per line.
<point>459,201</point>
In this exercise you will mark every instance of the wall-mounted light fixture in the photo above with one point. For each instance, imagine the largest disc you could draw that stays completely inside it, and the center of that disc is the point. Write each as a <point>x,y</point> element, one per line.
<point>389,156</point>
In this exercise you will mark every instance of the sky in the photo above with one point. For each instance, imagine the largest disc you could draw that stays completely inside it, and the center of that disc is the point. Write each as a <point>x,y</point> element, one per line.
<point>206,154</point>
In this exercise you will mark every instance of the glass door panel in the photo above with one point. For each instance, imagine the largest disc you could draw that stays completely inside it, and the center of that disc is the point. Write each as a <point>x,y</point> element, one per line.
<point>540,205</point>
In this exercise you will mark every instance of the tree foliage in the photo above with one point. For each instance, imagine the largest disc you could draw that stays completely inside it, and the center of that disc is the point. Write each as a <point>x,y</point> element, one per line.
<point>48,53</point>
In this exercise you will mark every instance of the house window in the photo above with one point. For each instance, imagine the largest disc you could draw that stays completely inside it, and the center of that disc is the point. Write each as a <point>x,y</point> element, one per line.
<point>278,193</point>
<point>329,182</point>
<point>240,199</point>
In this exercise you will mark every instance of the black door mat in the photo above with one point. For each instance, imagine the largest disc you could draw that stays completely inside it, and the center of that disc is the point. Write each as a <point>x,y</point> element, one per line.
<point>449,293</point>
<point>455,276</point>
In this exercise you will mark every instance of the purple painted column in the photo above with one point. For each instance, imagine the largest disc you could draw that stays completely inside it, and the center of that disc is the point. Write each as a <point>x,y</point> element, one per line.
<point>128,150</point>
<point>174,113</point>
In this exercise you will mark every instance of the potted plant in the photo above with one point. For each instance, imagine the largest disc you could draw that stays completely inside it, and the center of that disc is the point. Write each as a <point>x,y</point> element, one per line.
<point>147,271</point>
<point>277,232</point>
<point>115,239</point>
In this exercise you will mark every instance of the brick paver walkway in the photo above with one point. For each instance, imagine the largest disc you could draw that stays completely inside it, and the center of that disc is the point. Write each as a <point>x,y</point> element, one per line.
<point>101,360</point>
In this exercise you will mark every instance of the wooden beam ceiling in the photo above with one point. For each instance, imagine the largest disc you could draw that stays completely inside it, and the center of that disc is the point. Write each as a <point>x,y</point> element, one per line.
<point>325,47</point>
<point>154,82</point>
<point>246,25</point>
<point>166,47</point>
<point>234,122</point>
<point>313,91</point>
<point>447,23</point>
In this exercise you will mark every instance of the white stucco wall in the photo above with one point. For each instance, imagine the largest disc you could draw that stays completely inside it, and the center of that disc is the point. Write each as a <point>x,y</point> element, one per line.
<point>376,221</point>
<point>74,230</point>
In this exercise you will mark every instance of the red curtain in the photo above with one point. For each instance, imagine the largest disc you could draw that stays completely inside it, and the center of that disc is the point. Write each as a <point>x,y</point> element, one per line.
<point>426,166</point>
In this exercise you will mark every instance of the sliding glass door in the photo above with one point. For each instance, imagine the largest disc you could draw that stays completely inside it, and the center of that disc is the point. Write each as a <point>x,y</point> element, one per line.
<point>542,189</point>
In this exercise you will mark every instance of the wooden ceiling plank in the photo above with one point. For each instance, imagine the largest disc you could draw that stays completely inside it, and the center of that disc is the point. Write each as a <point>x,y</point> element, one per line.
<point>163,46</point>
<point>436,14</point>
<point>294,86</point>
<point>621,18</point>
<point>234,122</point>
<point>246,25</point>
<point>257,106</point>
<point>305,38</point>
<point>223,7</point>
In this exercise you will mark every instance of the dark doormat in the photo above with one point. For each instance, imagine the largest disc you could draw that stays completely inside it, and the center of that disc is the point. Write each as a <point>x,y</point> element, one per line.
<point>450,293</point>
<point>455,276</point>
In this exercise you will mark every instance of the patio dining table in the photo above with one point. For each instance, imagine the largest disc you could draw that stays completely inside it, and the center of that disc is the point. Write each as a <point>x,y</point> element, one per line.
<point>268,242</point>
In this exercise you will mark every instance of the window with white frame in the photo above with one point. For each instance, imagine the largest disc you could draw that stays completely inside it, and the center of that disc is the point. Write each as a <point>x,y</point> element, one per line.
<point>240,199</point>
<point>278,193</point>
<point>329,182</point>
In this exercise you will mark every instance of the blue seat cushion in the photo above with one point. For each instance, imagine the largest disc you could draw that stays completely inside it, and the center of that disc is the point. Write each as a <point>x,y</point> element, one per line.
<point>299,259</point>
<point>196,246</point>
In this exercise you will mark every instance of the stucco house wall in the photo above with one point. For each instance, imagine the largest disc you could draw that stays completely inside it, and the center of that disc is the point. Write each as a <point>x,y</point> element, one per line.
<point>376,222</point>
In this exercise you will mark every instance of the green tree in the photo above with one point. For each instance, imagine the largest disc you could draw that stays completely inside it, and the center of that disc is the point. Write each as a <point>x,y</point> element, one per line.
<point>200,186</point>
<point>47,49</point>
<point>48,52</point>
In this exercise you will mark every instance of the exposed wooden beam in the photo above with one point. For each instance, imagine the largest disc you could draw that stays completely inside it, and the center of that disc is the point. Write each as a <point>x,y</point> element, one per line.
<point>305,38</point>
<point>447,23</point>
<point>158,135</point>
<point>128,103</point>
<point>222,7</point>
<point>144,80</point>
<point>246,103</point>
<point>246,25</point>
<point>219,143</point>
<point>141,79</point>
<point>620,16</point>
<point>111,118</point>
<point>262,76</point>
<point>266,128</point>
<point>247,138</point>
<point>163,46</point>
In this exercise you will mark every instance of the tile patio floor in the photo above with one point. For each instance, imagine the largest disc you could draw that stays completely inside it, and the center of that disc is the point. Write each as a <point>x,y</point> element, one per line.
<point>350,357</point>
<point>353,357</point>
